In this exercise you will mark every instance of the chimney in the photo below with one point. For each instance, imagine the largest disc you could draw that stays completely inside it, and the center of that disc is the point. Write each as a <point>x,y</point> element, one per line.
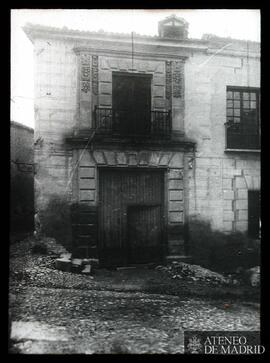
<point>173,27</point>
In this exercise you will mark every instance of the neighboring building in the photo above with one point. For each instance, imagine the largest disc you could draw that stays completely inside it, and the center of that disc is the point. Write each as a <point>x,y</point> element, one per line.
<point>137,135</point>
<point>21,178</point>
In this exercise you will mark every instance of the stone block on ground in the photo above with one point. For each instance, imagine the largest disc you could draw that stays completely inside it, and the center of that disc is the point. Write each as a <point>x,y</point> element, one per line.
<point>85,261</point>
<point>63,264</point>
<point>76,261</point>
<point>76,265</point>
<point>65,256</point>
<point>94,262</point>
<point>86,270</point>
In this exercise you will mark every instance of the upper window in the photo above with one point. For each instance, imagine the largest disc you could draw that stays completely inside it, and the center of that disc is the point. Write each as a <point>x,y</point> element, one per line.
<point>243,118</point>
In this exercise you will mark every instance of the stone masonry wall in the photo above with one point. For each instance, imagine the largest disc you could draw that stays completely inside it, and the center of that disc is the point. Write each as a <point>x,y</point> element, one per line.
<point>21,178</point>
<point>218,181</point>
<point>55,117</point>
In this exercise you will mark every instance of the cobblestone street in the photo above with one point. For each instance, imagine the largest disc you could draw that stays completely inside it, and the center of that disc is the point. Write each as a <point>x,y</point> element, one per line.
<point>140,310</point>
<point>85,322</point>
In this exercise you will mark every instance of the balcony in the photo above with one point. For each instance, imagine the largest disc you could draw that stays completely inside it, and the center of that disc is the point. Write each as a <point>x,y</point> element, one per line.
<point>125,123</point>
<point>242,136</point>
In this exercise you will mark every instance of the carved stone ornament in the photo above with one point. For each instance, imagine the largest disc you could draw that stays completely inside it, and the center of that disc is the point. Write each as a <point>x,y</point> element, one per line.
<point>85,72</point>
<point>85,58</point>
<point>85,86</point>
<point>168,79</point>
<point>95,74</point>
<point>177,79</point>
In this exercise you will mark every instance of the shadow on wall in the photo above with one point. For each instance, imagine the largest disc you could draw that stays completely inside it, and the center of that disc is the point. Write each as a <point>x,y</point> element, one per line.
<point>22,203</point>
<point>219,251</point>
<point>56,220</point>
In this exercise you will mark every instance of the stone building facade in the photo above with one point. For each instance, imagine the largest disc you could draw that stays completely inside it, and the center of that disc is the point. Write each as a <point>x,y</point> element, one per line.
<point>136,135</point>
<point>21,178</point>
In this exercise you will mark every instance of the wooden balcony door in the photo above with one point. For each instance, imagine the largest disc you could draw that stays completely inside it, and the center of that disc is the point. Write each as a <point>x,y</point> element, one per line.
<point>131,103</point>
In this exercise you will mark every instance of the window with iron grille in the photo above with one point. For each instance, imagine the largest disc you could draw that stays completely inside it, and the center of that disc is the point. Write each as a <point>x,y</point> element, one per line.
<point>243,118</point>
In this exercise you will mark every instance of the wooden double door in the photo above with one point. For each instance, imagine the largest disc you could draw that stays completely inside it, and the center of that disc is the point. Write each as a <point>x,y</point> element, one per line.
<point>131,216</point>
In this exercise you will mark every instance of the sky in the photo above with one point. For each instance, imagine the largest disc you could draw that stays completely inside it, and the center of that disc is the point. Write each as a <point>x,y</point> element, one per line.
<point>239,24</point>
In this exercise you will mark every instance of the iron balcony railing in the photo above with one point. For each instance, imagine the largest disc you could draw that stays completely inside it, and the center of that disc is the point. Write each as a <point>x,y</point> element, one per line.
<point>124,122</point>
<point>245,136</point>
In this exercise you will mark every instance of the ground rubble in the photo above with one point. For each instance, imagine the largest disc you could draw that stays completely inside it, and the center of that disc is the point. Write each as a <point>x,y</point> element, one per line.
<point>32,262</point>
<point>29,266</point>
<point>141,311</point>
<point>181,270</point>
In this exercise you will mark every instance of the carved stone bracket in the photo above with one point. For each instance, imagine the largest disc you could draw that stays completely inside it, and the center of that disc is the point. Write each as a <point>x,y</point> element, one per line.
<point>95,74</point>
